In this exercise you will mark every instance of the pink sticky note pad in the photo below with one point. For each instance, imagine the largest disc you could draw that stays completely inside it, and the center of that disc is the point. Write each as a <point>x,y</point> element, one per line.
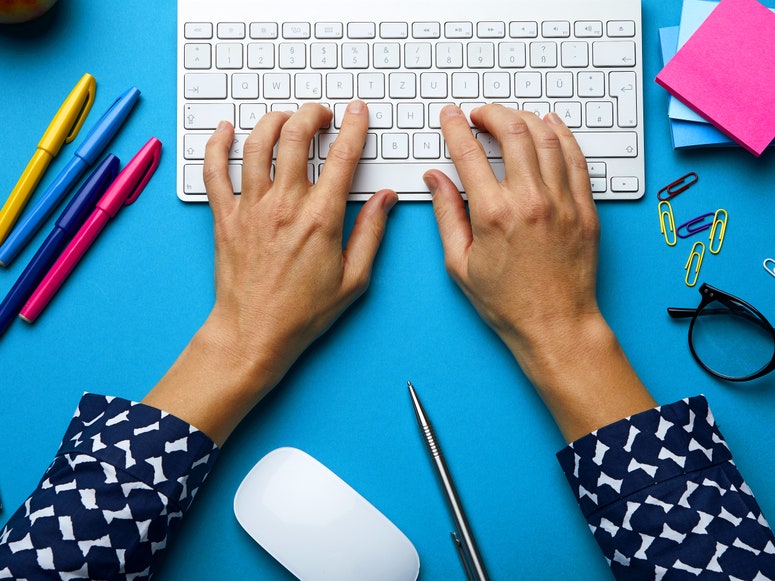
<point>726,72</point>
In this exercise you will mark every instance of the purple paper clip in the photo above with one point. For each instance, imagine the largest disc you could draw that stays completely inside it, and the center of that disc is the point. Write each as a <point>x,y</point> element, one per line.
<point>695,225</point>
<point>681,184</point>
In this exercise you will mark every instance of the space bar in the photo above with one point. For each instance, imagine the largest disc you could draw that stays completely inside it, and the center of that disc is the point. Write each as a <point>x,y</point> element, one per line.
<point>405,177</point>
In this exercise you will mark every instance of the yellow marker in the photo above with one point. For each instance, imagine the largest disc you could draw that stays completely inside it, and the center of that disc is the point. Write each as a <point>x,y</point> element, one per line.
<point>62,129</point>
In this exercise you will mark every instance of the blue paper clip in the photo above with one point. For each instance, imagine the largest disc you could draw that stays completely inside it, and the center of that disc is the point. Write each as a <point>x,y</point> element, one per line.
<point>695,225</point>
<point>698,253</point>
<point>769,265</point>
<point>672,189</point>
<point>717,231</point>
<point>668,228</point>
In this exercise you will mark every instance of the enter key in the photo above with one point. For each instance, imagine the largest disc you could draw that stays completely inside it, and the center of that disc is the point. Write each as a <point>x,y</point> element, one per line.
<point>622,85</point>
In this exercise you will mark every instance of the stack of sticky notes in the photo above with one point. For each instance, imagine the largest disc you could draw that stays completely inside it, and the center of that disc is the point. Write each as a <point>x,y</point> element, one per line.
<point>719,68</point>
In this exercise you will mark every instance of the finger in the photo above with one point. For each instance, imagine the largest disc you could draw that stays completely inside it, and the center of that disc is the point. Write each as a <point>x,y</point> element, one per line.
<point>530,149</point>
<point>220,192</point>
<point>290,172</point>
<point>343,155</point>
<point>575,162</point>
<point>365,239</point>
<point>466,152</point>
<point>452,220</point>
<point>257,153</point>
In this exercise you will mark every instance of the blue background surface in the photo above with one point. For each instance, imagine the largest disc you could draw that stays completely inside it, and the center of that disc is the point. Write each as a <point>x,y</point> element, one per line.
<point>146,286</point>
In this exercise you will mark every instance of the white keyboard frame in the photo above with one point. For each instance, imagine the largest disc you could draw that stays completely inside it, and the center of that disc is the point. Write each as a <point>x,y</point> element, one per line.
<point>430,11</point>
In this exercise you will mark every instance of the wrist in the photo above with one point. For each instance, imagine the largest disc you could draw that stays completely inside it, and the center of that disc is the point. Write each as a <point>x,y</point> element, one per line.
<point>582,373</point>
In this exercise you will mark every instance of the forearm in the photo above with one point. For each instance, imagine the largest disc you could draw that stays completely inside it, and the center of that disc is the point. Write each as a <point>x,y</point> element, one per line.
<point>217,379</point>
<point>582,374</point>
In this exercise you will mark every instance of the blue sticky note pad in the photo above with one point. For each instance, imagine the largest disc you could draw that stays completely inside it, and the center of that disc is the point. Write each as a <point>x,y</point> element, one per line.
<point>686,134</point>
<point>693,14</point>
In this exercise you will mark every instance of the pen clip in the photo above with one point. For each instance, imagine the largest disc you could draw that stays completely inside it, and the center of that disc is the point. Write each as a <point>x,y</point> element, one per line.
<point>70,117</point>
<point>461,551</point>
<point>149,155</point>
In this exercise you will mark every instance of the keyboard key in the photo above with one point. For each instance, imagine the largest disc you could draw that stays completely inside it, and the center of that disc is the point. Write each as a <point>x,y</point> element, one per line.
<point>449,55</point>
<point>569,112</point>
<point>207,115</point>
<point>261,30</point>
<point>555,29</point>
<point>244,86</point>
<point>395,145</point>
<point>600,114</point>
<point>588,29</point>
<point>465,85</point>
<point>574,55</point>
<point>205,86</point>
<point>260,55</point>
<point>426,30</point>
<point>322,55</point>
<point>197,56</point>
<point>308,85</point>
<point>523,29</point>
<point>543,54</point>
<point>355,55</point>
<point>491,29</point>
<point>228,55</point>
<point>608,144</point>
<point>496,85</point>
<point>458,30</point>
<point>527,84</point>
<point>403,86</point>
<point>293,30</point>
<point>433,85</point>
<point>481,55</point>
<point>371,86</point>
<point>198,30</point>
<point>387,55</point>
<point>615,53</point>
<point>620,28</point>
<point>622,85</point>
<point>624,184</point>
<point>410,116</point>
<point>277,86</point>
<point>511,55</point>
<point>193,182</point>
<point>231,30</point>
<point>339,86</point>
<point>329,30</point>
<point>417,55</point>
<point>426,146</point>
<point>361,30</point>
<point>393,30</point>
<point>292,55</point>
<point>250,113</point>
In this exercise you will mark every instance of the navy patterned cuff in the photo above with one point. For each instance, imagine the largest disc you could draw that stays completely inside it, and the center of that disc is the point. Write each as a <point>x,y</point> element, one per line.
<point>154,447</point>
<point>641,451</point>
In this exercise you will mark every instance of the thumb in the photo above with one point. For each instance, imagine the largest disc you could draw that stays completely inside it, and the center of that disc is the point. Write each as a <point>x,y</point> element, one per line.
<point>452,220</point>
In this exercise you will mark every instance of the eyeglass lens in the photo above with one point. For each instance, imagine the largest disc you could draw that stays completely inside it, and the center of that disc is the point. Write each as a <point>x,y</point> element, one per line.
<point>732,340</point>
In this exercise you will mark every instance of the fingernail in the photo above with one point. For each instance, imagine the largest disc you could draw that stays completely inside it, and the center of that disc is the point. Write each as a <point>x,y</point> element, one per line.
<point>451,110</point>
<point>389,202</point>
<point>222,126</point>
<point>355,107</point>
<point>554,118</point>
<point>431,183</point>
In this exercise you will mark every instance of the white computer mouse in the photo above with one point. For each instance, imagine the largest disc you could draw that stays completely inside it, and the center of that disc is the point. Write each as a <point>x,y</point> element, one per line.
<point>317,526</point>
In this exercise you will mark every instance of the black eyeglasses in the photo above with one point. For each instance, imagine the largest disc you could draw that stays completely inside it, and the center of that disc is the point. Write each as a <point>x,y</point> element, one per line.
<point>728,337</point>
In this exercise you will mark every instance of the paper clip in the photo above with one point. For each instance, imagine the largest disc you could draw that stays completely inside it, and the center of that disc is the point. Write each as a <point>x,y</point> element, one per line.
<point>718,230</point>
<point>699,255</point>
<point>695,225</point>
<point>769,265</point>
<point>667,228</point>
<point>681,184</point>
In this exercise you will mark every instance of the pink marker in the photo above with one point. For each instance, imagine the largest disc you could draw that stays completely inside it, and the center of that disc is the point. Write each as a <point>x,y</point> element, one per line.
<point>124,190</point>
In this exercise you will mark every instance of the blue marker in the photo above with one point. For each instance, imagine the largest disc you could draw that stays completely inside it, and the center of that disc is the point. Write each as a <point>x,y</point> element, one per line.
<point>76,212</point>
<point>85,156</point>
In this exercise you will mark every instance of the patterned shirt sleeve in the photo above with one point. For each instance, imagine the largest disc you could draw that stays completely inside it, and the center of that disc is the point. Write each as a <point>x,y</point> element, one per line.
<point>112,498</point>
<point>664,498</point>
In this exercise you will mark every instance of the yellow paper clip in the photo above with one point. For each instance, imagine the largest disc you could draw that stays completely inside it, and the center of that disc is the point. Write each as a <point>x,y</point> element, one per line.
<point>668,228</point>
<point>769,265</point>
<point>720,219</point>
<point>699,255</point>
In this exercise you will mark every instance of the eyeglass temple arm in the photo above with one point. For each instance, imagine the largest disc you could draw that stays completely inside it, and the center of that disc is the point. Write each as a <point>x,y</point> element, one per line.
<point>680,313</point>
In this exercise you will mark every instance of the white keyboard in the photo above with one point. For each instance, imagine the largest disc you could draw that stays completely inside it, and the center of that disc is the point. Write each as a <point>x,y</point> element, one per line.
<point>238,59</point>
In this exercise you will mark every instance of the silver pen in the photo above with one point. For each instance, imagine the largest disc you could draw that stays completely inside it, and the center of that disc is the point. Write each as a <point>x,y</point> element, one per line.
<point>464,543</point>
